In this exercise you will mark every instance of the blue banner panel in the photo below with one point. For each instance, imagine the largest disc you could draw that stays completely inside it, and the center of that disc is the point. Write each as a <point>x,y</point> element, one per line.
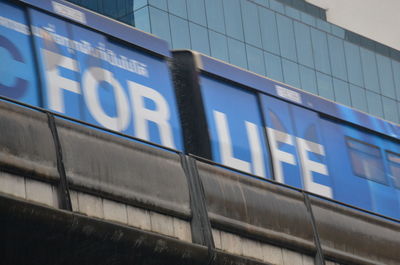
<point>17,70</point>
<point>235,127</point>
<point>89,77</point>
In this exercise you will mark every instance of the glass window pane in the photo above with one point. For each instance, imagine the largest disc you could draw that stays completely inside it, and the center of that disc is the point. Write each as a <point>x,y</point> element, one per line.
<point>199,38</point>
<point>308,80</point>
<point>273,65</point>
<point>277,6</point>
<point>196,11</point>
<point>237,53</point>
<point>321,52</point>
<point>390,109</point>
<point>215,15</point>
<point>251,24</point>
<point>177,7</point>
<point>291,73</point>
<point>179,33</point>
<point>394,167</point>
<point>396,73</point>
<point>374,102</point>
<point>219,48</point>
<point>370,70</point>
<point>358,98</point>
<point>255,60</point>
<point>142,19</point>
<point>303,44</point>
<point>366,160</point>
<point>160,24</point>
<point>342,94</point>
<point>233,19</point>
<point>353,63</point>
<point>162,4</point>
<point>269,30</point>
<point>323,25</point>
<point>139,4</point>
<point>385,76</point>
<point>325,86</point>
<point>308,19</point>
<point>338,61</point>
<point>286,37</point>
<point>292,12</point>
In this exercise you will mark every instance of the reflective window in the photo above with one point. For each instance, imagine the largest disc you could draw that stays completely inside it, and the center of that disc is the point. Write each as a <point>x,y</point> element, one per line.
<point>337,31</point>
<point>286,37</point>
<point>160,24</point>
<point>255,60</point>
<point>303,44</point>
<point>370,70</point>
<point>176,7</point>
<point>197,12</point>
<point>374,102</point>
<point>292,12</point>
<point>366,160</point>
<point>390,109</point>
<point>237,53</point>
<point>233,19</point>
<point>342,94</point>
<point>321,52</point>
<point>291,73</point>
<point>251,24</point>
<point>142,20</point>
<point>307,79</point>
<point>162,4</point>
<point>218,45</point>
<point>269,31</point>
<point>277,6</point>
<point>385,76</point>
<point>396,72</point>
<point>323,25</point>
<point>308,19</point>
<point>338,61</point>
<point>325,86</point>
<point>199,38</point>
<point>215,15</point>
<point>353,62</point>
<point>394,167</point>
<point>179,33</point>
<point>273,65</point>
<point>358,98</point>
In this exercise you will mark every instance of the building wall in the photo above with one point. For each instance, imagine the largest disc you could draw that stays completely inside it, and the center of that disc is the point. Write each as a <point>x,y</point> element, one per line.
<point>277,39</point>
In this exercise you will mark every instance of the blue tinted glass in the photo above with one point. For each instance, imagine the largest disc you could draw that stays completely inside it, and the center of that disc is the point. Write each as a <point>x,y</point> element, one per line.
<point>308,19</point>
<point>262,2</point>
<point>385,76</point>
<point>286,37</point>
<point>142,19</point>
<point>215,15</point>
<point>342,94</point>
<point>291,73</point>
<point>374,102</point>
<point>199,38</point>
<point>273,65</point>
<point>370,70</point>
<point>128,19</point>
<point>139,4</point>
<point>307,78</point>
<point>218,46</point>
<point>251,25</point>
<point>303,43</point>
<point>325,86</point>
<point>177,7</point>
<point>237,53</point>
<point>179,33</point>
<point>292,12</point>
<point>337,31</point>
<point>358,98</point>
<point>123,7</point>
<point>160,24</point>
<point>390,109</point>
<point>233,19</point>
<point>366,160</point>
<point>196,11</point>
<point>162,4</point>
<point>110,8</point>
<point>396,72</point>
<point>394,165</point>
<point>269,31</point>
<point>255,60</point>
<point>338,61</point>
<point>277,6</point>
<point>323,25</point>
<point>321,52</point>
<point>353,62</point>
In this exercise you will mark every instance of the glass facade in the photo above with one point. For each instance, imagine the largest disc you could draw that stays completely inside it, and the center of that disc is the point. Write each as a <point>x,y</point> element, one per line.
<point>286,40</point>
